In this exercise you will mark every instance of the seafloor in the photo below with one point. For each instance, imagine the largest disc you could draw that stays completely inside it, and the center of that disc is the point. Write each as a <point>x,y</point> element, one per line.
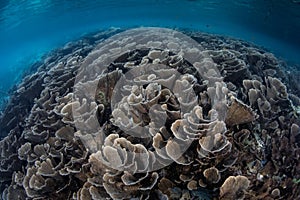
<point>251,153</point>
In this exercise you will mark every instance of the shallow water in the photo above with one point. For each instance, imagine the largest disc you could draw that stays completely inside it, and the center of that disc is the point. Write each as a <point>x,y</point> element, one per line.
<point>29,29</point>
<point>261,92</point>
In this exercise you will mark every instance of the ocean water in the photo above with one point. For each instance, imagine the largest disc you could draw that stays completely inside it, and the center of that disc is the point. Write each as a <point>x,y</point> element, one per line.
<point>31,29</point>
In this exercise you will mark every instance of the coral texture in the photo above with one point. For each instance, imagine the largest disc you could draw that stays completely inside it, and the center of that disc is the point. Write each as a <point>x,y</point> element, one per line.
<point>234,134</point>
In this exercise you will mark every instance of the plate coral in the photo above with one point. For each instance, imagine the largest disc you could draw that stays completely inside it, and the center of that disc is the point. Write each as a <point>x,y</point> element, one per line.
<point>142,114</point>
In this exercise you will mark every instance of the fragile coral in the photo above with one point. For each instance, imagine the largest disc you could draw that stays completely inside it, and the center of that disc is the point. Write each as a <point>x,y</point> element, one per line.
<point>234,187</point>
<point>214,121</point>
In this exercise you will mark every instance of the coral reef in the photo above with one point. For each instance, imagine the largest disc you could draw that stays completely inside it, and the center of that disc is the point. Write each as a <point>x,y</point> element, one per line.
<point>234,134</point>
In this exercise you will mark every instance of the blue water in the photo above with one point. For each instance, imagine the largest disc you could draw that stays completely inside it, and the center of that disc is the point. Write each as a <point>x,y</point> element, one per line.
<point>31,28</point>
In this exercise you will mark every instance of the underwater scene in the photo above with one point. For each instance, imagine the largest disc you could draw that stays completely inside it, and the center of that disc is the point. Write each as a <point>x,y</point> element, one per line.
<point>149,99</point>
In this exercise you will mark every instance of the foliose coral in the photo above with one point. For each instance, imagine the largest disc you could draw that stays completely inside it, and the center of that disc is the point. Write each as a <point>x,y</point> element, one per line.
<point>153,118</point>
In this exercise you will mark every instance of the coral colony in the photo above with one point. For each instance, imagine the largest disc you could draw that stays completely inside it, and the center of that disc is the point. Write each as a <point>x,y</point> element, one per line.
<point>153,113</point>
